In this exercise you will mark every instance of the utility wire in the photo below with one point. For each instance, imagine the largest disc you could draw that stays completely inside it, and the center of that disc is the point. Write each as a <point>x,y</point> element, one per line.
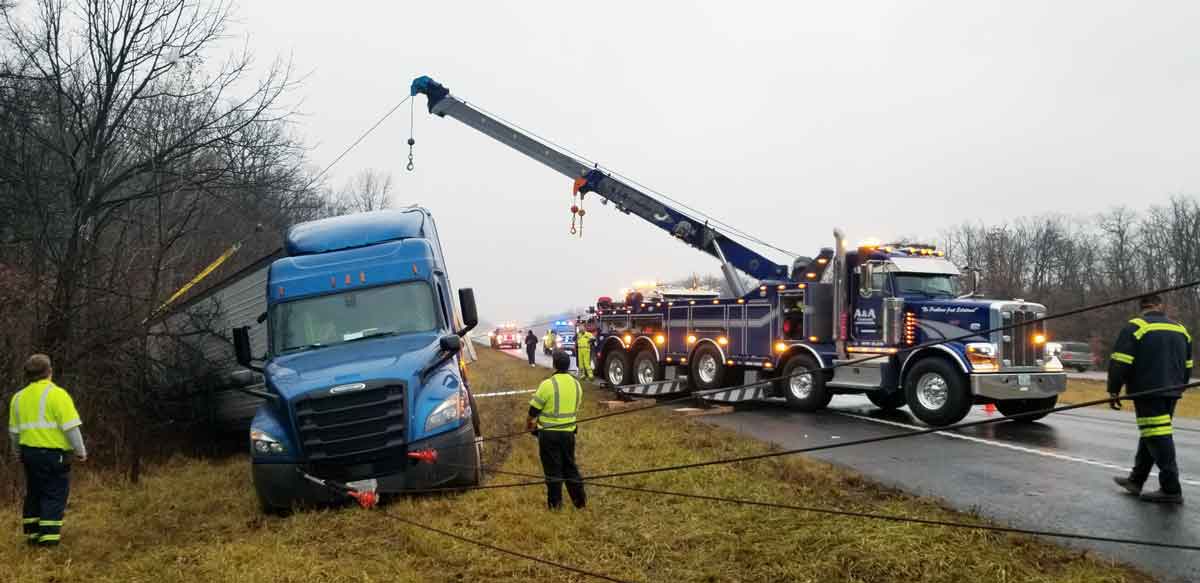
<point>837,445</point>
<point>503,550</point>
<point>852,362</point>
<point>860,514</point>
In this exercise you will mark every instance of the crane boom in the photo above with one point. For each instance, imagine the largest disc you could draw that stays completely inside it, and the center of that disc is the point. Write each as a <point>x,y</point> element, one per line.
<point>626,197</point>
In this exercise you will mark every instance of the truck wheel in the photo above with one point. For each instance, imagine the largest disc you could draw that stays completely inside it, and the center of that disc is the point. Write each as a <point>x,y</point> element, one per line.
<point>887,401</point>
<point>616,367</point>
<point>1010,407</point>
<point>804,392</point>
<point>937,393</point>
<point>646,368</point>
<point>708,369</point>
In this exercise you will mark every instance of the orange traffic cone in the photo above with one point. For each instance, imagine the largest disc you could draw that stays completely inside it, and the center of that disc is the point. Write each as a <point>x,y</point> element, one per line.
<point>990,408</point>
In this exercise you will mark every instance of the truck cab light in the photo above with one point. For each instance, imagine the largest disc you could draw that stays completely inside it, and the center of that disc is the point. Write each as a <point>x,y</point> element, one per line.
<point>722,340</point>
<point>741,301</point>
<point>716,301</point>
<point>659,339</point>
<point>1039,338</point>
<point>780,347</point>
<point>781,287</point>
<point>691,338</point>
<point>801,286</point>
<point>813,339</point>
<point>810,275</point>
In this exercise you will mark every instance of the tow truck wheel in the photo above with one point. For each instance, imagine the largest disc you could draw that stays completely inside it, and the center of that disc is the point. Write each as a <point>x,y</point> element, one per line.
<point>616,367</point>
<point>887,401</point>
<point>937,392</point>
<point>707,370</point>
<point>646,368</point>
<point>804,392</point>
<point>1010,407</point>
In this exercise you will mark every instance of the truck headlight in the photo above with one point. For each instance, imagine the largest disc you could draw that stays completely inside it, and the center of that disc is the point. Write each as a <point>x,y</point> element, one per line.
<point>451,410</point>
<point>263,443</point>
<point>982,356</point>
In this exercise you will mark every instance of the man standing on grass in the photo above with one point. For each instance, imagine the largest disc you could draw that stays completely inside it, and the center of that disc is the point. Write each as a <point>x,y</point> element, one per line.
<point>552,412</point>
<point>1152,352</point>
<point>43,427</point>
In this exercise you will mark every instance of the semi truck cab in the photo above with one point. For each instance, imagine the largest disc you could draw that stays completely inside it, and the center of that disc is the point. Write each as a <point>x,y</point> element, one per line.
<point>366,366</point>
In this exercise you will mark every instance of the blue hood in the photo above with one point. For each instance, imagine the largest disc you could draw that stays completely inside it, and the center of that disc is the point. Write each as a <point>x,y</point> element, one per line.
<point>389,357</point>
<point>949,318</point>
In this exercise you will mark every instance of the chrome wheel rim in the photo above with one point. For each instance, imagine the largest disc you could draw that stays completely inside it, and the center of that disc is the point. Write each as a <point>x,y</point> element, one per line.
<point>932,391</point>
<point>645,372</point>
<point>707,369</point>
<point>616,371</point>
<point>800,385</point>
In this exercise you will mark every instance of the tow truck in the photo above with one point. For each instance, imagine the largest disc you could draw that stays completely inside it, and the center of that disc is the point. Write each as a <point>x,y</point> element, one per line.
<point>506,336</point>
<point>824,313</point>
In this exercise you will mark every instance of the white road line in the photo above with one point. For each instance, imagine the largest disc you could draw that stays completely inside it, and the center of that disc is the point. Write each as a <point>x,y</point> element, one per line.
<point>503,393</point>
<point>1009,446</point>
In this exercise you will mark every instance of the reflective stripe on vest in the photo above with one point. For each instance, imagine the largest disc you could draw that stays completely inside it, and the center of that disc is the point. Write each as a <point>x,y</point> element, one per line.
<point>1144,327</point>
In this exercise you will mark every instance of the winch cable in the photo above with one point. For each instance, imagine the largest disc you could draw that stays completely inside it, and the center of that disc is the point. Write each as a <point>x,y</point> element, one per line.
<point>859,514</point>
<point>837,445</point>
<point>695,395</point>
<point>356,142</point>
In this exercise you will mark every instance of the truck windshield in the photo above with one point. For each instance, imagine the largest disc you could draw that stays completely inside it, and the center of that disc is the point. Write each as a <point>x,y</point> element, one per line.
<point>353,315</point>
<point>926,285</point>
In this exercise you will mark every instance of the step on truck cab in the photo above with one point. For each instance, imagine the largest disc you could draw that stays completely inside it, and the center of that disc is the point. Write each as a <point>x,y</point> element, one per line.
<point>365,370</point>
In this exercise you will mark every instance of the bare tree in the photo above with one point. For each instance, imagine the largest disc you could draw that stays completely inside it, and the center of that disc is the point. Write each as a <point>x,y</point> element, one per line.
<point>369,190</point>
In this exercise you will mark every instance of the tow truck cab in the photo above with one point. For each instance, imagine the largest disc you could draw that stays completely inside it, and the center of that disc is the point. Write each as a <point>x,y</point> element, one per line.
<point>366,365</point>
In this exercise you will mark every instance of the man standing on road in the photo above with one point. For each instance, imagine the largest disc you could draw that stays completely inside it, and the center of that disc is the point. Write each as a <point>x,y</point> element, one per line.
<point>1152,352</point>
<point>583,353</point>
<point>44,429</point>
<point>552,412</point>
<point>531,343</point>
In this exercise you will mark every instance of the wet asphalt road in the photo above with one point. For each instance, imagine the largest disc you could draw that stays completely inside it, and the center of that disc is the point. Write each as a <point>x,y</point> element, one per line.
<point>1050,475</point>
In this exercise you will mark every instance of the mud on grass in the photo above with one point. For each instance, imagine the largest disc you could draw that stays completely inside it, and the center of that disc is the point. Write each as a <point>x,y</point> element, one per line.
<point>197,520</point>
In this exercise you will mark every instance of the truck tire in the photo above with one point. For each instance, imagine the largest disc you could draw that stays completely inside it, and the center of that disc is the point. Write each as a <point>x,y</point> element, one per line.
<point>1010,407</point>
<point>937,392</point>
<point>804,392</point>
<point>617,370</point>
<point>887,401</point>
<point>646,368</point>
<point>707,369</point>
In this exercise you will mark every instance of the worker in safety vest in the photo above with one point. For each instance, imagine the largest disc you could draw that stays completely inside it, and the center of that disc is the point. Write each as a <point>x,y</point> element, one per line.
<point>552,413</point>
<point>1152,352</point>
<point>43,426</point>
<point>583,353</point>
<point>548,342</point>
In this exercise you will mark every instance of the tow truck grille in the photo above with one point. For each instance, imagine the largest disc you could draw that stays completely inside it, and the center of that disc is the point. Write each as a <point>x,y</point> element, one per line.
<point>1020,349</point>
<point>356,426</point>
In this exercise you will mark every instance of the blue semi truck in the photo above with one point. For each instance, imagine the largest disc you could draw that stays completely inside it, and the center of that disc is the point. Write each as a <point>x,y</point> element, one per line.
<point>364,372</point>
<point>876,300</point>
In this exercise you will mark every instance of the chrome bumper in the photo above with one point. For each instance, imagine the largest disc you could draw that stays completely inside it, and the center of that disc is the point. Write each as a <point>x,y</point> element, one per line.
<point>1002,386</point>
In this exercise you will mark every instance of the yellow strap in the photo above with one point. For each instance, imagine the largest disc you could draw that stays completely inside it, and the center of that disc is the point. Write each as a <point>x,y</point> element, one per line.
<point>1156,431</point>
<point>1122,357</point>
<point>1161,327</point>
<point>1157,420</point>
<point>195,280</point>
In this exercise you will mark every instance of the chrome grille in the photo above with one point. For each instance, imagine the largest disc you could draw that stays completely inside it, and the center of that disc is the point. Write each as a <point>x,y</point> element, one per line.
<point>355,426</point>
<point>1019,348</point>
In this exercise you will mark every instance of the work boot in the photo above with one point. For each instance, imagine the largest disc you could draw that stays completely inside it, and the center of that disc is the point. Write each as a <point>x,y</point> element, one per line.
<point>1130,486</point>
<point>1163,497</point>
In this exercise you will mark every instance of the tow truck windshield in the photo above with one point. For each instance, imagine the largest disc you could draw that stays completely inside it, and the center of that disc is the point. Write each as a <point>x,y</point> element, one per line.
<point>353,315</point>
<point>926,285</point>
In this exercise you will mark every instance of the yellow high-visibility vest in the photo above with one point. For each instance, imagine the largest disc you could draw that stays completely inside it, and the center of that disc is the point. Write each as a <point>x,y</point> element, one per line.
<point>558,399</point>
<point>42,413</point>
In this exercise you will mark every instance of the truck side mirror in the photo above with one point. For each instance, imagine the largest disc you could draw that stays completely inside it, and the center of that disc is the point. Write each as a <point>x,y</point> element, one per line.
<point>241,346</point>
<point>451,343</point>
<point>470,314</point>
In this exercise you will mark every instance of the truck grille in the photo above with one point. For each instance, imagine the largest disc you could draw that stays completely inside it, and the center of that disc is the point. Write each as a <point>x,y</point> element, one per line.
<point>1019,347</point>
<point>354,426</point>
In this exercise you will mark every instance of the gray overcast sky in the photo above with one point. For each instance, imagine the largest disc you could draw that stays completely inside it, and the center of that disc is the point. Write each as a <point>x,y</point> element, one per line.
<point>783,118</point>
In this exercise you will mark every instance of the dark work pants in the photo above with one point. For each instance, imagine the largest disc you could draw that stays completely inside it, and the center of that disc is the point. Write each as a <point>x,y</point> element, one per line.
<point>1154,416</point>
<point>47,485</point>
<point>529,351</point>
<point>557,450</point>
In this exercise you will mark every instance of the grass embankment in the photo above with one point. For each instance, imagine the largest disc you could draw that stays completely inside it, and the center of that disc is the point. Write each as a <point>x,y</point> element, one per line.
<point>1082,390</point>
<point>195,520</point>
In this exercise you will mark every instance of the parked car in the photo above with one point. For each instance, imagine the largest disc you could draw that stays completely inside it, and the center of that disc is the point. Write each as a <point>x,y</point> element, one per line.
<point>1076,355</point>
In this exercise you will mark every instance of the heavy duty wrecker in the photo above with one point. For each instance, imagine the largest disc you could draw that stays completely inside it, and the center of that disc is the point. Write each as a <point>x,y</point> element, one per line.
<point>884,300</point>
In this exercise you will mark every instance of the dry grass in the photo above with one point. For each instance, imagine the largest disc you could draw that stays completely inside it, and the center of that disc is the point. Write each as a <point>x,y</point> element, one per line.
<point>194,520</point>
<point>1081,390</point>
